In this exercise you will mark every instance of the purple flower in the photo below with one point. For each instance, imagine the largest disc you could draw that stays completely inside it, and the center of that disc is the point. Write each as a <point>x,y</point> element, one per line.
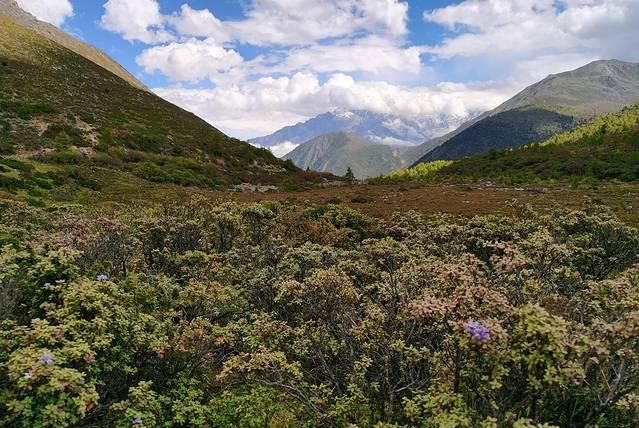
<point>46,359</point>
<point>136,421</point>
<point>102,278</point>
<point>478,331</point>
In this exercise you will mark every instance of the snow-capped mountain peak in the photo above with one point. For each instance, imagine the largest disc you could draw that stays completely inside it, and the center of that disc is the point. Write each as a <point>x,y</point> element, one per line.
<point>376,128</point>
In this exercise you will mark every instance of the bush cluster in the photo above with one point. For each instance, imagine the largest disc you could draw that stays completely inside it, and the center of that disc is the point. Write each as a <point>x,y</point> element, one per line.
<point>206,314</point>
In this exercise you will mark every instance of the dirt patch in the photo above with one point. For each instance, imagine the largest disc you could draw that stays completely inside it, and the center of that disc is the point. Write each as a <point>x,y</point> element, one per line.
<point>383,201</point>
<point>39,125</point>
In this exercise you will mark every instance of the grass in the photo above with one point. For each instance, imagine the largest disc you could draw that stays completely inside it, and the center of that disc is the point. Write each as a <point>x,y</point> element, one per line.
<point>59,108</point>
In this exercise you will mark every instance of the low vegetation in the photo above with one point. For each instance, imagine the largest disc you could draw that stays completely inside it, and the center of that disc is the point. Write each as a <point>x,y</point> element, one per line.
<point>607,148</point>
<point>89,118</point>
<point>427,172</point>
<point>206,314</point>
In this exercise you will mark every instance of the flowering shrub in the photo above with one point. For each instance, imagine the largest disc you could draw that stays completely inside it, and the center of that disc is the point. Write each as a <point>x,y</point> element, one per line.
<point>211,314</point>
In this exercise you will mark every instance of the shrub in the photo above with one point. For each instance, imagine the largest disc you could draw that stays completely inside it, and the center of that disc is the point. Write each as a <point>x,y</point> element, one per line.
<point>214,314</point>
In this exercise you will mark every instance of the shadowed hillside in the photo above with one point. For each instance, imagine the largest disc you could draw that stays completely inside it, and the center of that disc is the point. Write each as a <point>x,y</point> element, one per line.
<point>604,149</point>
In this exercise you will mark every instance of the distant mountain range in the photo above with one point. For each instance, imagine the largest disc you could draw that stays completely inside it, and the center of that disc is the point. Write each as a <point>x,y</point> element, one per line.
<point>338,151</point>
<point>556,104</point>
<point>373,127</point>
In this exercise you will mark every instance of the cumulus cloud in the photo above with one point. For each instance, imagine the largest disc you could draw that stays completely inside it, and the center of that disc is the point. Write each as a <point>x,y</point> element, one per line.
<point>267,22</point>
<point>136,20</point>
<point>373,54</point>
<point>523,27</point>
<point>193,45</point>
<point>193,60</point>
<point>52,11</point>
<point>296,22</point>
<point>260,107</point>
<point>198,23</point>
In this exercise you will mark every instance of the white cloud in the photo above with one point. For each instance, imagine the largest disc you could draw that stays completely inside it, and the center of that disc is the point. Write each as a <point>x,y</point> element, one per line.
<point>267,22</point>
<point>136,20</point>
<point>198,23</point>
<point>282,149</point>
<point>193,60</point>
<point>299,22</point>
<point>52,11</point>
<point>526,27</point>
<point>373,54</point>
<point>365,36</point>
<point>260,107</point>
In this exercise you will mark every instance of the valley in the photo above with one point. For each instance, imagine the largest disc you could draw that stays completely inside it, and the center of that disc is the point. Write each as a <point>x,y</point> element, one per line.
<point>410,263</point>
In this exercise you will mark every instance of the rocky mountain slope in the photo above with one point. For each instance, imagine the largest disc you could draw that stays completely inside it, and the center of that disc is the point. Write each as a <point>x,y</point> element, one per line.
<point>558,103</point>
<point>338,151</point>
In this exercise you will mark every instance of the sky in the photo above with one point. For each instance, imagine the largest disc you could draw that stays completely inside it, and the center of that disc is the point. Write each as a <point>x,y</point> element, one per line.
<point>250,67</point>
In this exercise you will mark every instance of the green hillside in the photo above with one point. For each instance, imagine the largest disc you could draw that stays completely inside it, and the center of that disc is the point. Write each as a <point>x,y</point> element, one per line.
<point>336,152</point>
<point>606,148</point>
<point>11,10</point>
<point>64,120</point>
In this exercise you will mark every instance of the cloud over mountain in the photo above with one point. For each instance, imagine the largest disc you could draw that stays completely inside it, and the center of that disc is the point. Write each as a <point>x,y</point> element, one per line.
<point>52,11</point>
<point>282,61</point>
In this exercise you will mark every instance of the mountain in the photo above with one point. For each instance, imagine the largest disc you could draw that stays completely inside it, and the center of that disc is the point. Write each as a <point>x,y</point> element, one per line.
<point>11,10</point>
<point>68,122</point>
<point>375,128</point>
<point>340,150</point>
<point>606,148</point>
<point>558,103</point>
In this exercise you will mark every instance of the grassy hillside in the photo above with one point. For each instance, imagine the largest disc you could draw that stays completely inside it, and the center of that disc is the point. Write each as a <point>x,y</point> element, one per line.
<point>606,148</point>
<point>338,151</point>
<point>12,10</point>
<point>64,119</point>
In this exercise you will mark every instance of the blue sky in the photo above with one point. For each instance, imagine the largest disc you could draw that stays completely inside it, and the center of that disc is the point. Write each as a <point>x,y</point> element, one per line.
<point>252,66</point>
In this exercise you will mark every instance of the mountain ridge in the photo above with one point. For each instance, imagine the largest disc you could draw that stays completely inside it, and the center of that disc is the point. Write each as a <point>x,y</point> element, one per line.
<point>557,103</point>
<point>13,11</point>
<point>335,152</point>
<point>376,128</point>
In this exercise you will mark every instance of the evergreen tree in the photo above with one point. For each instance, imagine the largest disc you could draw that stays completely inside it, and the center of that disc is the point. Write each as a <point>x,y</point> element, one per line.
<point>349,174</point>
